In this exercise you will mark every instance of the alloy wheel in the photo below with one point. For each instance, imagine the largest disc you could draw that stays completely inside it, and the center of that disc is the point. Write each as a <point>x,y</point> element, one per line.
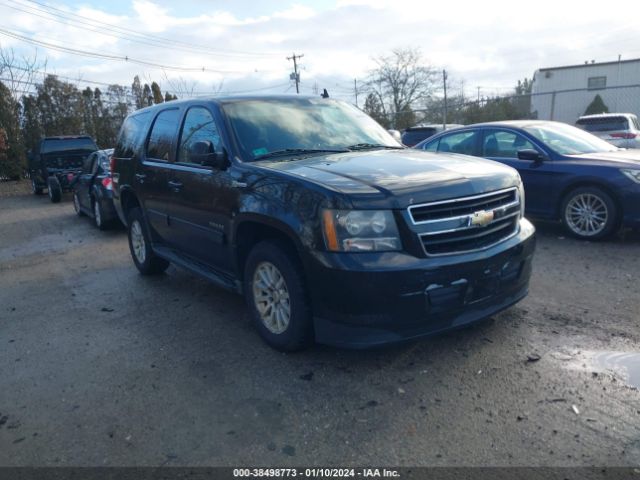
<point>271,297</point>
<point>96,213</point>
<point>137,242</point>
<point>586,214</point>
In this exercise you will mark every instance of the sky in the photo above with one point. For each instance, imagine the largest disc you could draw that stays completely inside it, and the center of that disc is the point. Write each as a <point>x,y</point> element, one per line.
<point>242,46</point>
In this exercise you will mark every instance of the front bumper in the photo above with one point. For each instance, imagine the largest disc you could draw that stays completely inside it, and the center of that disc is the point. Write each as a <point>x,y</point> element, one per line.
<point>364,300</point>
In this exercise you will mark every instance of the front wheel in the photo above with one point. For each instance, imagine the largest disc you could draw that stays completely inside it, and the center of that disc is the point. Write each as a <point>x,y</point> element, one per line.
<point>589,213</point>
<point>55,189</point>
<point>276,297</point>
<point>145,260</point>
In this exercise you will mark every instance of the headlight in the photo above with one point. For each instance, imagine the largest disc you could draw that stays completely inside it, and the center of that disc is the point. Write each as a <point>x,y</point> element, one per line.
<point>632,174</point>
<point>360,231</point>
<point>521,195</point>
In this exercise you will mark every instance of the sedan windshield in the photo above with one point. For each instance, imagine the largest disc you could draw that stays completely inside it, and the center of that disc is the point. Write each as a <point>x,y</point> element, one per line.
<point>568,140</point>
<point>292,127</point>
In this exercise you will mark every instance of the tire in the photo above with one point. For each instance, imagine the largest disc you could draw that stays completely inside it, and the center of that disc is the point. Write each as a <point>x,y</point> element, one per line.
<point>98,215</point>
<point>35,189</point>
<point>589,213</point>
<point>54,189</point>
<point>76,205</point>
<point>145,260</point>
<point>267,267</point>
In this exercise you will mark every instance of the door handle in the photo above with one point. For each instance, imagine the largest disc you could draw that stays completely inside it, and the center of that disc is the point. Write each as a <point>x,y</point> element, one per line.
<point>175,186</point>
<point>140,177</point>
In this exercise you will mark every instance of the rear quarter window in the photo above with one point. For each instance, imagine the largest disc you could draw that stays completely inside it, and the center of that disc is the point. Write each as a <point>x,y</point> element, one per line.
<point>132,135</point>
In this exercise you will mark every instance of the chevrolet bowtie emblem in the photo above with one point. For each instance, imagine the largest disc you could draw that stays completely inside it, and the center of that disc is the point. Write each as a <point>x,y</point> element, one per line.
<point>481,218</point>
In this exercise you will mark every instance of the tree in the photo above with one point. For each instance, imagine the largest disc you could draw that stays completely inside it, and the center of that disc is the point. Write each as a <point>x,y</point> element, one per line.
<point>401,83</point>
<point>147,97</point>
<point>136,91</point>
<point>168,97</point>
<point>596,106</point>
<point>375,110</point>
<point>12,161</point>
<point>61,106</point>
<point>156,93</point>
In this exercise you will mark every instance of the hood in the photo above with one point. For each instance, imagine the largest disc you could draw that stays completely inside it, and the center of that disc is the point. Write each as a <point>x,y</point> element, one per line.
<point>399,178</point>
<point>617,158</point>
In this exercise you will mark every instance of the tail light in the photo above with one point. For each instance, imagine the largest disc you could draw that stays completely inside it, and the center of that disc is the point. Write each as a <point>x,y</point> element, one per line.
<point>112,163</point>
<point>626,135</point>
<point>107,183</point>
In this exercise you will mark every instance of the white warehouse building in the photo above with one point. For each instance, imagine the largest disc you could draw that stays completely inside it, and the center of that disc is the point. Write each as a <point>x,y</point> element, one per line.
<point>564,93</point>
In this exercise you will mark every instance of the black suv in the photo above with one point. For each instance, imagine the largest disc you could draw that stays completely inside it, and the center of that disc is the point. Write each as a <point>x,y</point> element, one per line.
<point>56,162</point>
<point>332,230</point>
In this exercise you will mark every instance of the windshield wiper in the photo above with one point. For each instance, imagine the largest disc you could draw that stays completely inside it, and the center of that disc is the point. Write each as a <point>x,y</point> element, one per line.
<point>371,146</point>
<point>295,151</point>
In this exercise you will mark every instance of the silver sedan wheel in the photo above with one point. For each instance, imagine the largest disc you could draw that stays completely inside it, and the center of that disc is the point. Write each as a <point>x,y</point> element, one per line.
<point>96,213</point>
<point>271,297</point>
<point>586,214</point>
<point>137,242</point>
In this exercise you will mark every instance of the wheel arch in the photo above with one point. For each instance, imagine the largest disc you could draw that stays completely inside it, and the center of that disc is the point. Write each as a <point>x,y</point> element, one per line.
<point>589,183</point>
<point>254,228</point>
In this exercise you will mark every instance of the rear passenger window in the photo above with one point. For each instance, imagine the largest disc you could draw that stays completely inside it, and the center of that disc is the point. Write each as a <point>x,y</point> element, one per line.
<point>162,133</point>
<point>199,126</point>
<point>462,142</point>
<point>503,144</point>
<point>131,135</point>
<point>432,147</point>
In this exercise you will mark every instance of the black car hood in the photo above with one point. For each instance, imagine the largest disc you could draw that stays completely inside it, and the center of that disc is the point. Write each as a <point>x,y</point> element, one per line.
<point>398,178</point>
<point>617,158</point>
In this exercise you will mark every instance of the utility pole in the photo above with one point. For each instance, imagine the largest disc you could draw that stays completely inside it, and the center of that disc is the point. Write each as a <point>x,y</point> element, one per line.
<point>355,89</point>
<point>295,75</point>
<point>444,117</point>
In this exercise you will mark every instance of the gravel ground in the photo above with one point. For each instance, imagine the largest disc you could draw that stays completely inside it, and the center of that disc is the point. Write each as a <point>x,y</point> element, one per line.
<point>101,366</point>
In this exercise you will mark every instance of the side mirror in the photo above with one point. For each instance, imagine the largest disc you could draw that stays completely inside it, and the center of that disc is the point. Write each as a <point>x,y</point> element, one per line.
<point>203,153</point>
<point>530,154</point>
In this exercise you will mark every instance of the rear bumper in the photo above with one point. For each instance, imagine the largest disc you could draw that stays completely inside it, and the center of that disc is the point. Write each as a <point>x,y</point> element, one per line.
<point>367,300</point>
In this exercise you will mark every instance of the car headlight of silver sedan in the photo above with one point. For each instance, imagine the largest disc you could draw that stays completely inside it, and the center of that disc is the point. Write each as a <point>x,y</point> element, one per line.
<point>360,231</point>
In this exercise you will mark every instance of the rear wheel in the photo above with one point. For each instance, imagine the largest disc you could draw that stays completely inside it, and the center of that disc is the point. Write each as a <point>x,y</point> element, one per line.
<point>76,205</point>
<point>98,215</point>
<point>276,297</point>
<point>589,213</point>
<point>145,260</point>
<point>55,189</point>
<point>35,188</point>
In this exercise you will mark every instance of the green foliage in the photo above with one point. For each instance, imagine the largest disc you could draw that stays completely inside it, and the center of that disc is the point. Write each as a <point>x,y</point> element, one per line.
<point>596,106</point>
<point>156,93</point>
<point>375,109</point>
<point>12,157</point>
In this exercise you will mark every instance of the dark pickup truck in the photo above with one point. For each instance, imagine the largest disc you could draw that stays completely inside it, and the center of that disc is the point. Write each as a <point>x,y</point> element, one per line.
<point>56,162</point>
<point>334,232</point>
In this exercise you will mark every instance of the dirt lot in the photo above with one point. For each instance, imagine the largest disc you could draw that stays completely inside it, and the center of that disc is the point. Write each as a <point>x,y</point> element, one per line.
<point>101,366</point>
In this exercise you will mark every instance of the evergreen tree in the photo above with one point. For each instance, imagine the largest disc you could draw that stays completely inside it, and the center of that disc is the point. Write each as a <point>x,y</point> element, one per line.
<point>157,94</point>
<point>136,91</point>
<point>596,106</point>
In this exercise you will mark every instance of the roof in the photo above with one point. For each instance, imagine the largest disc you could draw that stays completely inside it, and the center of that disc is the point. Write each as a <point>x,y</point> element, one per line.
<point>230,99</point>
<point>583,65</point>
<point>605,115</point>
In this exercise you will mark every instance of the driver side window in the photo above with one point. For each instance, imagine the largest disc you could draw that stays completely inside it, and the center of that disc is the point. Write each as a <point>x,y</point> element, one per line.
<point>199,126</point>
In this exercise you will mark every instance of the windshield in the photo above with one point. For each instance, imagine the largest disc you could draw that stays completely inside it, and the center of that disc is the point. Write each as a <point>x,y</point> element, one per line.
<point>296,125</point>
<point>568,140</point>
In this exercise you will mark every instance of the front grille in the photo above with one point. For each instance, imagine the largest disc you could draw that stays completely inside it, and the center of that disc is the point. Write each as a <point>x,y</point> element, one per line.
<point>453,226</point>
<point>462,206</point>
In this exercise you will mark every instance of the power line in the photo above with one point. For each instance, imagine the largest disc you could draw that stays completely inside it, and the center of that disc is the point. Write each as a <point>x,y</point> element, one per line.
<point>166,42</point>
<point>108,56</point>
